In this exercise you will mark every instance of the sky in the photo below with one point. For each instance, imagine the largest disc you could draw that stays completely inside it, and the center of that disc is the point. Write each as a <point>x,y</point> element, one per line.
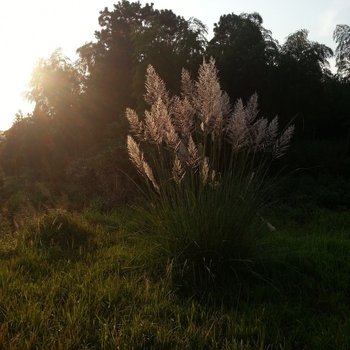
<point>33,29</point>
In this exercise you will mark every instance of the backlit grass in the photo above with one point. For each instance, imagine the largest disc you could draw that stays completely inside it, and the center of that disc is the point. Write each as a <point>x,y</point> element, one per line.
<point>118,295</point>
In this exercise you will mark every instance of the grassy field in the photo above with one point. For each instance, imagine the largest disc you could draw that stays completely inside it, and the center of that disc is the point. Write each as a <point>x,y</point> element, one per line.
<point>107,286</point>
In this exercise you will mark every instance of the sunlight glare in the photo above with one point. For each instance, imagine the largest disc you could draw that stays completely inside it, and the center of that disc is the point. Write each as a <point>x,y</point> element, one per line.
<point>29,31</point>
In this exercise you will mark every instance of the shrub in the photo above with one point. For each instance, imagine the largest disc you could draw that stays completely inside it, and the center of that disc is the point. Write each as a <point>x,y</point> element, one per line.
<point>100,177</point>
<point>205,167</point>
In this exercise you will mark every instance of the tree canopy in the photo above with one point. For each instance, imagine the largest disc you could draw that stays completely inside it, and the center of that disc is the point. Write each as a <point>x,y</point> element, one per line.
<point>342,38</point>
<point>243,49</point>
<point>131,37</point>
<point>80,106</point>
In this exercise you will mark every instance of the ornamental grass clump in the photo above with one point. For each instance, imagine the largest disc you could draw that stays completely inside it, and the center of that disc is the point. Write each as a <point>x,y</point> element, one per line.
<point>204,163</point>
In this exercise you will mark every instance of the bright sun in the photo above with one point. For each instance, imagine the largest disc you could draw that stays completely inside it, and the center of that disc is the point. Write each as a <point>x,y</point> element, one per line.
<point>15,71</point>
<point>26,33</point>
<point>30,30</point>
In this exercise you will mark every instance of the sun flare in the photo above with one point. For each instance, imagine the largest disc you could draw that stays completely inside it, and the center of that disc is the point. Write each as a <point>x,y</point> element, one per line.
<point>39,28</point>
<point>27,42</point>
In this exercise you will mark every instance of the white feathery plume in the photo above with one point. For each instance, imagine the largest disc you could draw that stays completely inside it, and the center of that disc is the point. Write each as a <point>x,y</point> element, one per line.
<point>157,122</point>
<point>171,137</point>
<point>136,126</point>
<point>208,95</point>
<point>251,108</point>
<point>237,128</point>
<point>272,130</point>
<point>282,142</point>
<point>202,112</point>
<point>149,174</point>
<point>152,133</point>
<point>135,154</point>
<point>214,178</point>
<point>178,171</point>
<point>193,156</point>
<point>205,170</point>
<point>259,134</point>
<point>155,87</point>
<point>222,116</point>
<point>187,86</point>
<point>267,134</point>
<point>183,116</point>
<point>182,152</point>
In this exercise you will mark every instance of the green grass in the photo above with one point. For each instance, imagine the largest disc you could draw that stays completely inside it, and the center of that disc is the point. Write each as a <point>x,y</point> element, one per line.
<point>118,293</point>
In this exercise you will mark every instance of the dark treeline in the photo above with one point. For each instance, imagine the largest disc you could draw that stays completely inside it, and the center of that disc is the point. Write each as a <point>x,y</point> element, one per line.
<point>77,130</point>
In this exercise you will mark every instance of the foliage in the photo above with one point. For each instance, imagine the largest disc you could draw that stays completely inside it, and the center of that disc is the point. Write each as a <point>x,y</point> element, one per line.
<point>131,37</point>
<point>79,105</point>
<point>43,142</point>
<point>206,164</point>
<point>341,36</point>
<point>53,80</point>
<point>306,52</point>
<point>101,174</point>
<point>243,50</point>
<point>302,78</point>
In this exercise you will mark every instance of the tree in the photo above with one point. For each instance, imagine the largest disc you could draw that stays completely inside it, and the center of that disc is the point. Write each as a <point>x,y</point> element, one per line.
<point>169,43</point>
<point>303,70</point>
<point>310,56</point>
<point>56,88</point>
<point>341,36</point>
<point>42,143</point>
<point>243,50</point>
<point>27,149</point>
<point>131,37</point>
<point>55,80</point>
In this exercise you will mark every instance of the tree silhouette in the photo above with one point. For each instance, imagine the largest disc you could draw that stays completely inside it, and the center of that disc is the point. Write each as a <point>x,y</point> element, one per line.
<point>131,37</point>
<point>54,80</point>
<point>308,53</point>
<point>243,50</point>
<point>302,71</point>
<point>42,143</point>
<point>341,36</point>
<point>78,117</point>
<point>56,88</point>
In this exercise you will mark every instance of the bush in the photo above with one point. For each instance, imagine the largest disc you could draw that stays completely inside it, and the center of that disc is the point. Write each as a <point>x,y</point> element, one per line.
<point>205,167</point>
<point>100,177</point>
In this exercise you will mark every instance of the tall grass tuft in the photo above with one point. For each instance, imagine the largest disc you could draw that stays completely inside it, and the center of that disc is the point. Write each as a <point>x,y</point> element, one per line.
<point>60,233</point>
<point>205,164</point>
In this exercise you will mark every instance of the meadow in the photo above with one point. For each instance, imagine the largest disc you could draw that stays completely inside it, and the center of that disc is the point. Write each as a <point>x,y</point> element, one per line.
<point>108,287</point>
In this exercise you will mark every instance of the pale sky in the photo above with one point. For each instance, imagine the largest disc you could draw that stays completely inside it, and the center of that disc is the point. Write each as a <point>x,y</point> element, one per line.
<point>30,29</point>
